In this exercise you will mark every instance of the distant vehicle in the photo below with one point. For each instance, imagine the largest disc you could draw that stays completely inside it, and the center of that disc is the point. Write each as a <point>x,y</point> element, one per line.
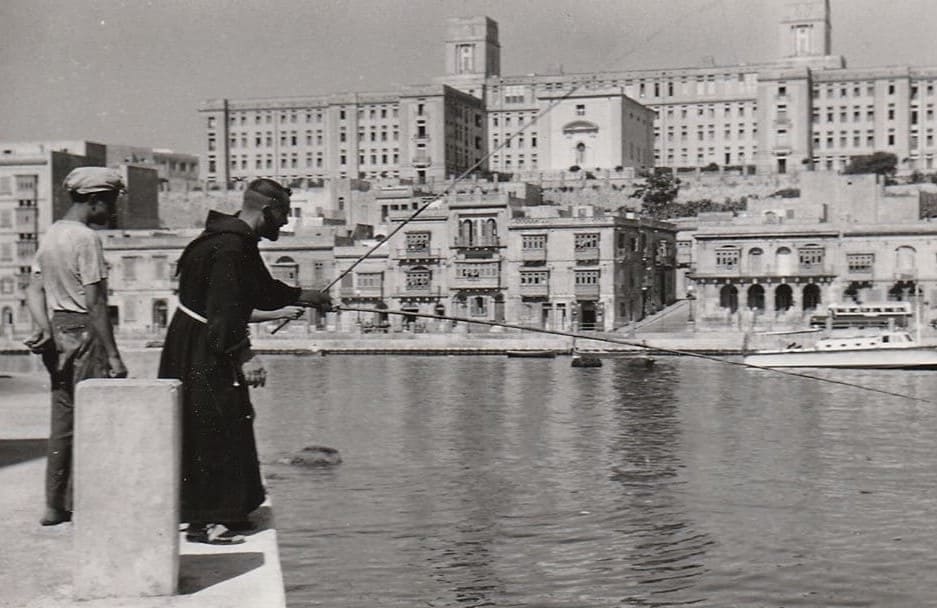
<point>845,316</point>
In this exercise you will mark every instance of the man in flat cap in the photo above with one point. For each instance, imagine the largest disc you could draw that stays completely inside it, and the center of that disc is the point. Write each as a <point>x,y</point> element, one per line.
<point>222,280</point>
<point>67,298</point>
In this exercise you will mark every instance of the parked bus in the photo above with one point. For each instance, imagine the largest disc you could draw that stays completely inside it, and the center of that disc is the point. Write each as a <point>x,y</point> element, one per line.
<point>881,314</point>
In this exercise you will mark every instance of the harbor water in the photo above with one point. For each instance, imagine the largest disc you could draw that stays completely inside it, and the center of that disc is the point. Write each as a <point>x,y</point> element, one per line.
<point>490,481</point>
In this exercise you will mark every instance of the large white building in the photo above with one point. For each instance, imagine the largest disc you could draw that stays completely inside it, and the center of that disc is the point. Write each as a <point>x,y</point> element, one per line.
<point>804,110</point>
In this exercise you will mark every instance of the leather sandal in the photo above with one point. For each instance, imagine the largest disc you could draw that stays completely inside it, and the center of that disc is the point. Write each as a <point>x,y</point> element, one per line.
<point>213,534</point>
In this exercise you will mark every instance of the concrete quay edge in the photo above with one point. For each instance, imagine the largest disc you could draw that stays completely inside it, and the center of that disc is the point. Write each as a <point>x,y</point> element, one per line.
<point>36,563</point>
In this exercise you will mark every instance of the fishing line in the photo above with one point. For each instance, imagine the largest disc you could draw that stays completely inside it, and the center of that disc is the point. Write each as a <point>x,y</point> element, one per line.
<point>669,351</point>
<point>498,148</point>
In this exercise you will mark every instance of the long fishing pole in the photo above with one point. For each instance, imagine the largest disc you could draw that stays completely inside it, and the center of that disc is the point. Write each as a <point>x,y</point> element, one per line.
<point>643,345</point>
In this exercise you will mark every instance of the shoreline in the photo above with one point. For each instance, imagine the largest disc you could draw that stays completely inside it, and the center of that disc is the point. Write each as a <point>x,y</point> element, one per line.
<point>468,344</point>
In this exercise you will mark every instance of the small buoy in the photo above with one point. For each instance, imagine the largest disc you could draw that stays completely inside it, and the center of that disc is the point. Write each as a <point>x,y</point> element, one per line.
<point>313,456</point>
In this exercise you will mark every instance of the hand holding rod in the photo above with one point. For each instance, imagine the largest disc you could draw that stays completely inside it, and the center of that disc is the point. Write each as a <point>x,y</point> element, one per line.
<point>312,298</point>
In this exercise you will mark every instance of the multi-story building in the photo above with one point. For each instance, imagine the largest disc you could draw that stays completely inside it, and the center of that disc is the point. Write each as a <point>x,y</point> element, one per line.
<point>805,109</point>
<point>32,196</point>
<point>420,133</point>
<point>845,239</point>
<point>485,255</point>
<point>177,172</point>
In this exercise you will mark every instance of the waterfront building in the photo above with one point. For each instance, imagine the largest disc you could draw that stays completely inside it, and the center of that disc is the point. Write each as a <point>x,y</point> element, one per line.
<point>588,269</point>
<point>846,238</point>
<point>490,256</point>
<point>32,197</point>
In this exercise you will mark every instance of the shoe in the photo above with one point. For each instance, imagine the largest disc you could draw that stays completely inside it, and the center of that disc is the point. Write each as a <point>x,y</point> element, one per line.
<point>53,517</point>
<point>213,534</point>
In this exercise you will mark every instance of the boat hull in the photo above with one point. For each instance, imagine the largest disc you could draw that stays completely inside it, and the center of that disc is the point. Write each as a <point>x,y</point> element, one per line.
<point>861,358</point>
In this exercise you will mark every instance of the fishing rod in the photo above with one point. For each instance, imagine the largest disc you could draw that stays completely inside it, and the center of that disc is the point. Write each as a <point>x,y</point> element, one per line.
<point>632,343</point>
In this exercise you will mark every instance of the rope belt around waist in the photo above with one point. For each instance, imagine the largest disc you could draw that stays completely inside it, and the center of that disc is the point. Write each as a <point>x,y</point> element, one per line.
<point>192,313</point>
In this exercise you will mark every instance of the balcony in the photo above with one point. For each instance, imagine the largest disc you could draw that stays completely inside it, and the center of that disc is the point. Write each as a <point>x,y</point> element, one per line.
<point>535,289</point>
<point>361,292</point>
<point>782,148</point>
<point>462,242</point>
<point>587,291</point>
<point>422,160</point>
<point>782,122</point>
<point>587,254</point>
<point>22,281</point>
<point>419,254</point>
<point>533,255</point>
<point>480,282</point>
<point>418,291</point>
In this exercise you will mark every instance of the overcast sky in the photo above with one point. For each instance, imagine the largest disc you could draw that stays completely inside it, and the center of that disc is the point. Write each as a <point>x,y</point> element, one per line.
<point>134,71</point>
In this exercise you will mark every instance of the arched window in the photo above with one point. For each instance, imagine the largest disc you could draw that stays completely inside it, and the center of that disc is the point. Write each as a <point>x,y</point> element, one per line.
<point>756,297</point>
<point>783,297</point>
<point>812,298</point>
<point>467,231</point>
<point>729,297</point>
<point>784,261</point>
<point>905,262</point>
<point>755,257</point>
<point>6,317</point>
<point>580,154</point>
<point>160,313</point>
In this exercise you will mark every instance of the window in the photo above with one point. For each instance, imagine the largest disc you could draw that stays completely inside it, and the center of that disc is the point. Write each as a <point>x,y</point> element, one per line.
<point>129,266</point>
<point>858,263</point>
<point>587,277</point>
<point>810,257</point>
<point>588,240</point>
<point>418,279</point>
<point>478,306</point>
<point>539,277</point>
<point>727,259</point>
<point>580,109</point>
<point>418,241</point>
<point>533,241</point>
<point>369,280</point>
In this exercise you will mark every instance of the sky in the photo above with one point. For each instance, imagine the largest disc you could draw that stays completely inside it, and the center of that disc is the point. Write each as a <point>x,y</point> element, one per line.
<point>134,71</point>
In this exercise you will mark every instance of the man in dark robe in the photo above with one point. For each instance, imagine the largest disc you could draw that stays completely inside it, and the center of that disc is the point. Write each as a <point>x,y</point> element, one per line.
<point>222,279</point>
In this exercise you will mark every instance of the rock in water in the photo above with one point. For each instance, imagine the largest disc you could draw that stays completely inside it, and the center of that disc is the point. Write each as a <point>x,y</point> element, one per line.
<point>313,456</point>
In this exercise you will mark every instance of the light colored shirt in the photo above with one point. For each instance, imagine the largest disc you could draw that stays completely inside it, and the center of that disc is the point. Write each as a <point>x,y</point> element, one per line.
<point>70,256</point>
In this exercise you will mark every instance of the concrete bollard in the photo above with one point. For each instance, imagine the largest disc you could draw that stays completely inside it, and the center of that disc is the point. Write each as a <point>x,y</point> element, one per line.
<point>127,452</point>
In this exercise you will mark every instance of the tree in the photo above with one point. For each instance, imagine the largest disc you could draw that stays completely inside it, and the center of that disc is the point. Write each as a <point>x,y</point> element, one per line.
<point>657,193</point>
<point>880,163</point>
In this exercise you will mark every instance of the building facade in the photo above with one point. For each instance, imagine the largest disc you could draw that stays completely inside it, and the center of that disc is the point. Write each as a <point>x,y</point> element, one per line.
<point>420,133</point>
<point>487,256</point>
<point>845,240</point>
<point>805,110</point>
<point>32,196</point>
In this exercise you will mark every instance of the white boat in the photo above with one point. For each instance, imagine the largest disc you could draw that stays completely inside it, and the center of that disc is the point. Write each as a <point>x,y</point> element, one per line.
<point>883,350</point>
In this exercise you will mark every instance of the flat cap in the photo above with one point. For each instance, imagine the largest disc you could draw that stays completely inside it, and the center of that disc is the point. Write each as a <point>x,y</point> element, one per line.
<point>85,180</point>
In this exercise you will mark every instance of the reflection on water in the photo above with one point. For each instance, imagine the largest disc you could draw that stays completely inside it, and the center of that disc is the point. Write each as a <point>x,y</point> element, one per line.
<point>474,481</point>
<point>487,481</point>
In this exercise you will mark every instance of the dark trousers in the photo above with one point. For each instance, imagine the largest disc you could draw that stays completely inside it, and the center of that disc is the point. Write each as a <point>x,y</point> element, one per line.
<point>76,353</point>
